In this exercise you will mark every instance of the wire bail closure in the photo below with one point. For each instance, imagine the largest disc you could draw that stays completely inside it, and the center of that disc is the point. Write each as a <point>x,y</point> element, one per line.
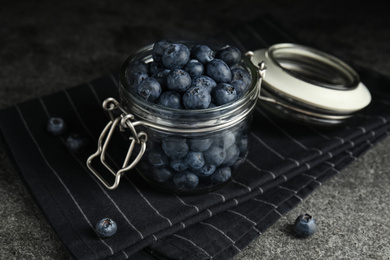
<point>122,122</point>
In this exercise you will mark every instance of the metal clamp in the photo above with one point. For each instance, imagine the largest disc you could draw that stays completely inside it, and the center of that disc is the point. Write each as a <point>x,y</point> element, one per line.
<point>122,122</point>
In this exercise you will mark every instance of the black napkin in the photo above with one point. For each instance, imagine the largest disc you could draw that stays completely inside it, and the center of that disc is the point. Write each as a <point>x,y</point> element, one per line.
<point>286,163</point>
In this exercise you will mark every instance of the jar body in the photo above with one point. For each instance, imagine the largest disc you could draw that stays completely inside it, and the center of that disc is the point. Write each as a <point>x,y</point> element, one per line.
<point>190,151</point>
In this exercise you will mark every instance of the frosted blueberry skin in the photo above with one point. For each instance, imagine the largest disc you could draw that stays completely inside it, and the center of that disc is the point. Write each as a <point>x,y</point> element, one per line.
<point>230,55</point>
<point>170,99</point>
<point>195,160</point>
<point>224,93</point>
<point>204,81</point>
<point>232,154</point>
<point>219,71</point>
<point>221,175</point>
<point>186,180</point>
<point>56,126</point>
<point>196,98</point>
<point>200,145</point>
<point>175,56</point>
<point>149,89</point>
<point>194,68</point>
<point>106,227</point>
<point>175,148</point>
<point>202,53</point>
<point>159,48</point>
<point>305,226</point>
<point>215,155</point>
<point>162,174</point>
<point>178,80</point>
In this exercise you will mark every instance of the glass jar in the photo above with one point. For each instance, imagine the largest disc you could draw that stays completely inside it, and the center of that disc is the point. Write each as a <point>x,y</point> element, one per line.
<point>180,150</point>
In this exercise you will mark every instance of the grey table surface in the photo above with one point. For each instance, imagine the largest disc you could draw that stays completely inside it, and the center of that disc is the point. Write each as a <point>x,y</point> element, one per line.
<point>47,46</point>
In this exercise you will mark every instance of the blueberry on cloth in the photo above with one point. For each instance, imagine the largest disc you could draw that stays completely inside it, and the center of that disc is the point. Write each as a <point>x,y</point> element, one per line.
<point>106,227</point>
<point>186,180</point>
<point>221,175</point>
<point>229,54</point>
<point>224,93</point>
<point>76,142</point>
<point>170,99</point>
<point>202,53</point>
<point>195,160</point>
<point>204,81</point>
<point>305,226</point>
<point>159,48</point>
<point>196,98</point>
<point>161,174</point>
<point>215,155</point>
<point>56,126</point>
<point>219,71</point>
<point>178,80</point>
<point>175,148</point>
<point>149,89</point>
<point>194,68</point>
<point>175,56</point>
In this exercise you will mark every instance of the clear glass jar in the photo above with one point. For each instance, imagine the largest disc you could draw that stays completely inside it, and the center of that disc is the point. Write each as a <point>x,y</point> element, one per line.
<point>181,150</point>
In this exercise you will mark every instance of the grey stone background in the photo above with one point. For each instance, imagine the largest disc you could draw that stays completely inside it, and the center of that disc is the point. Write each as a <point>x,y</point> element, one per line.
<point>47,46</point>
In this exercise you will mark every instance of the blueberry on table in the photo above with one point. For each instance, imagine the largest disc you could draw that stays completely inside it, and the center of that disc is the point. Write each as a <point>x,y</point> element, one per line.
<point>204,81</point>
<point>56,126</point>
<point>219,71</point>
<point>305,226</point>
<point>224,93</point>
<point>175,148</point>
<point>175,56</point>
<point>76,142</point>
<point>196,98</point>
<point>195,160</point>
<point>106,227</point>
<point>194,68</point>
<point>202,53</point>
<point>170,99</point>
<point>221,175</point>
<point>186,180</point>
<point>178,80</point>
<point>149,89</point>
<point>159,48</point>
<point>230,55</point>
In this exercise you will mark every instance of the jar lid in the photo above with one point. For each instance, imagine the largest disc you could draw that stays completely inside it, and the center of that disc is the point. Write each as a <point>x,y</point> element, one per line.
<point>308,83</point>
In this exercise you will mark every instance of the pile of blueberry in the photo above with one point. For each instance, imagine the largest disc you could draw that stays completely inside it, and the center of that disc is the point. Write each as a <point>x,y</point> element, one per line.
<point>189,77</point>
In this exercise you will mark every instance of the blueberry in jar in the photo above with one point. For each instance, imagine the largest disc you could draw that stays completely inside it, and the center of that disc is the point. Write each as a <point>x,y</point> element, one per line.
<point>196,98</point>
<point>161,77</point>
<point>159,48</point>
<point>204,81</point>
<point>215,155</point>
<point>224,93</point>
<point>241,80</point>
<point>106,227</point>
<point>195,160</point>
<point>175,148</point>
<point>155,67</point>
<point>232,154</point>
<point>205,171</point>
<point>221,175</point>
<point>138,66</point>
<point>226,140</point>
<point>219,71</point>
<point>178,165</point>
<point>229,54</point>
<point>157,157</point>
<point>135,78</point>
<point>56,126</point>
<point>170,99</point>
<point>161,174</point>
<point>202,53</point>
<point>178,80</point>
<point>149,89</point>
<point>194,68</point>
<point>175,56</point>
<point>186,180</point>
<point>200,145</point>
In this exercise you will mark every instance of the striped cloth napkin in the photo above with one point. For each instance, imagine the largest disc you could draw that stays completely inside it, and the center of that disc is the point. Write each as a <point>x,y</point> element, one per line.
<point>286,163</point>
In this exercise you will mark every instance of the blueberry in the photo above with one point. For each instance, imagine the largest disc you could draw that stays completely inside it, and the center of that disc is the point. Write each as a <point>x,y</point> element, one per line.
<point>205,171</point>
<point>241,80</point>
<point>221,175</point>
<point>155,67</point>
<point>175,56</point>
<point>157,158</point>
<point>134,78</point>
<point>229,54</point>
<point>179,165</point>
<point>138,66</point>
<point>232,154</point>
<point>219,71</point>
<point>224,93</point>
<point>243,144</point>
<point>106,227</point>
<point>149,89</point>
<point>56,126</point>
<point>175,148</point>
<point>195,160</point>
<point>215,155</point>
<point>305,226</point>
<point>204,81</point>
<point>194,68</point>
<point>161,174</point>
<point>202,53</point>
<point>196,98</point>
<point>76,142</point>
<point>161,77</point>
<point>170,99</point>
<point>200,145</point>
<point>186,180</point>
<point>226,140</point>
<point>178,80</point>
<point>159,48</point>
